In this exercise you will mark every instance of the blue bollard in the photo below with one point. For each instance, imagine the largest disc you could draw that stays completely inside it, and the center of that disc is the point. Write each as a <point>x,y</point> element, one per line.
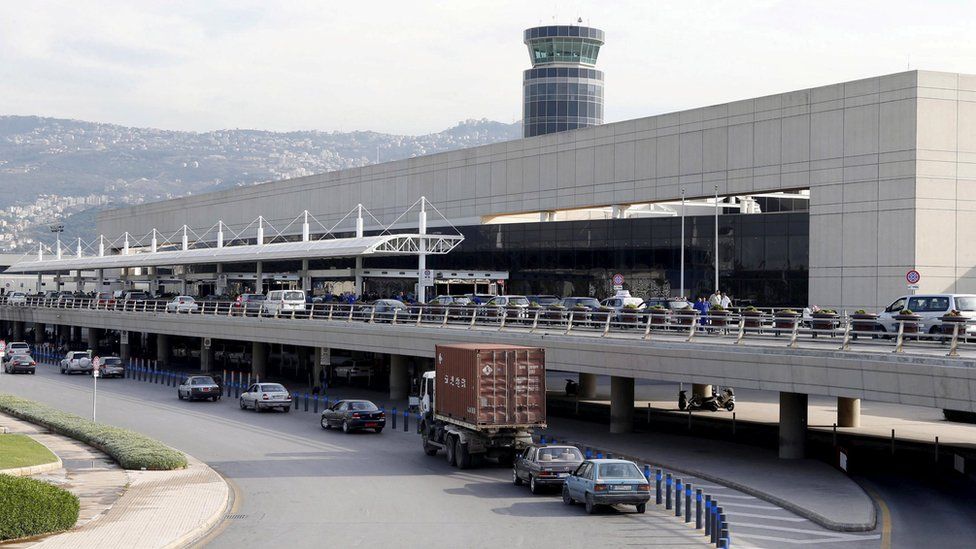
<point>394,414</point>
<point>589,453</point>
<point>406,420</point>
<point>658,477</point>
<point>667,491</point>
<point>698,509</point>
<point>599,455</point>
<point>678,488</point>
<point>647,473</point>
<point>708,515</point>
<point>542,438</point>
<point>687,503</point>
<point>294,400</point>
<point>315,400</point>
<point>306,402</point>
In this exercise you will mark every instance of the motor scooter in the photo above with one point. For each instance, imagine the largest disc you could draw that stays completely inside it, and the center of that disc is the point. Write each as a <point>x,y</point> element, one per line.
<point>572,388</point>
<point>712,403</point>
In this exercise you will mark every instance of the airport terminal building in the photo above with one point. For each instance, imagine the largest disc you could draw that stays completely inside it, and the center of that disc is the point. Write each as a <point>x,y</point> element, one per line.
<point>826,196</point>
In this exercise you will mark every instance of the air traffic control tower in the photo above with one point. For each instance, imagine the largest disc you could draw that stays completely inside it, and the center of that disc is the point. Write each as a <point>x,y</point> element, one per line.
<point>562,91</point>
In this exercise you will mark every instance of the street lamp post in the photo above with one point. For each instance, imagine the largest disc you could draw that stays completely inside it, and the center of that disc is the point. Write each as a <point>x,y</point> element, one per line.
<point>682,243</point>
<point>716,238</point>
<point>57,229</point>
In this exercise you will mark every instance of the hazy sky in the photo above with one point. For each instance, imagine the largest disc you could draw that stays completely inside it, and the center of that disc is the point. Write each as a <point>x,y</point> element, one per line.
<point>417,67</point>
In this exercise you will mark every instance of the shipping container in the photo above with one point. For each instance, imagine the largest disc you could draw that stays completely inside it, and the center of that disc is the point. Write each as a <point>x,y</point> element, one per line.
<point>488,386</point>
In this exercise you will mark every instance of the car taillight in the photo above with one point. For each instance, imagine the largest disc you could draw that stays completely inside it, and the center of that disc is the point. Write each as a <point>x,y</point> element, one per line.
<point>355,416</point>
<point>600,488</point>
<point>264,396</point>
<point>382,414</point>
<point>33,363</point>
<point>644,487</point>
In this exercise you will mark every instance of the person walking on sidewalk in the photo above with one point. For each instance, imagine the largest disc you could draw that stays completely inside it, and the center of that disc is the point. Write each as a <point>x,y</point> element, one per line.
<point>715,299</point>
<point>726,301</point>
<point>702,307</point>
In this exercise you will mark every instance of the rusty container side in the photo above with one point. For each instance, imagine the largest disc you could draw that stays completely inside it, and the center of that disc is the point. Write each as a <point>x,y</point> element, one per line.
<point>491,385</point>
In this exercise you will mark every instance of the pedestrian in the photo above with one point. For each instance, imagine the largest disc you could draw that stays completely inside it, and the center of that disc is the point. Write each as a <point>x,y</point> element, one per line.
<point>715,299</point>
<point>726,301</point>
<point>702,306</point>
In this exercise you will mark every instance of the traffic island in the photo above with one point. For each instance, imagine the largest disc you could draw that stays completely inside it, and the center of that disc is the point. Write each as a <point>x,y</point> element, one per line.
<point>130,449</point>
<point>22,456</point>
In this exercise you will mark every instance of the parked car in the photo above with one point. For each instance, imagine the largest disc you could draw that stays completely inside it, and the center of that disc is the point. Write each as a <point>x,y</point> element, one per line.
<point>353,415</point>
<point>265,396</point>
<point>621,300</point>
<point>545,465</point>
<point>64,297</point>
<point>198,388</point>
<point>50,294</point>
<point>182,304</point>
<point>672,304</point>
<point>508,301</point>
<point>383,309</point>
<point>17,298</point>
<point>105,299</point>
<point>16,348</point>
<point>248,304</point>
<point>111,366</point>
<point>283,301</point>
<point>588,302</point>
<point>543,300</point>
<point>20,364</point>
<point>76,361</point>
<point>136,295</point>
<point>450,300</point>
<point>479,299</point>
<point>607,482</point>
<point>930,307</point>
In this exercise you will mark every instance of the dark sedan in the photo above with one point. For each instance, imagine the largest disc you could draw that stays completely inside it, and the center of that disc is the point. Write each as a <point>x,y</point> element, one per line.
<point>543,466</point>
<point>353,415</point>
<point>20,364</point>
<point>198,388</point>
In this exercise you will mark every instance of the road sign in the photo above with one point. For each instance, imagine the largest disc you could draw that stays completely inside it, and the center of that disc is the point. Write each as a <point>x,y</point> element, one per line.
<point>913,286</point>
<point>96,366</point>
<point>618,279</point>
<point>427,277</point>
<point>206,343</point>
<point>913,276</point>
<point>124,337</point>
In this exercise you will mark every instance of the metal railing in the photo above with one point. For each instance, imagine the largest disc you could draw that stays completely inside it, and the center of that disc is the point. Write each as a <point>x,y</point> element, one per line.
<point>738,327</point>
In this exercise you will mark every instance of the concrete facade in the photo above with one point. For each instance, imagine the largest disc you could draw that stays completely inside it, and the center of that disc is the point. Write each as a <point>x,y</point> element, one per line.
<point>890,162</point>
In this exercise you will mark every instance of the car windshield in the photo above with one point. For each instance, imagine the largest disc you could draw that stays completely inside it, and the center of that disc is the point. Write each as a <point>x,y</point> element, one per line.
<point>22,358</point>
<point>521,301</point>
<point>362,405</point>
<point>272,388</point>
<point>619,470</point>
<point>202,381</point>
<point>566,453</point>
<point>291,296</point>
<point>255,297</point>
<point>966,303</point>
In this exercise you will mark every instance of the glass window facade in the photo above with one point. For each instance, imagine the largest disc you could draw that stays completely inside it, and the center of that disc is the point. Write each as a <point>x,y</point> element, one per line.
<point>763,258</point>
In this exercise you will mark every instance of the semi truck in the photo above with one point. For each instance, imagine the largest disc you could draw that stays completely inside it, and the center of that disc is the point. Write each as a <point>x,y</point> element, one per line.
<point>482,400</point>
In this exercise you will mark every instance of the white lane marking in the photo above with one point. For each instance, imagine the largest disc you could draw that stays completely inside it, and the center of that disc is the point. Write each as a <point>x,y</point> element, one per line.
<point>750,506</point>
<point>736,497</point>
<point>771,517</point>
<point>752,537</point>
<point>824,533</point>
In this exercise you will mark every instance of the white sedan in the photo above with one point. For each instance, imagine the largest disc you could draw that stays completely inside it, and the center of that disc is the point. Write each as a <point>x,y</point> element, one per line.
<point>264,396</point>
<point>182,304</point>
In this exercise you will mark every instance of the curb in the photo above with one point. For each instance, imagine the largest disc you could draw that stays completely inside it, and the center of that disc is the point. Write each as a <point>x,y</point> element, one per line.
<point>214,520</point>
<point>789,506</point>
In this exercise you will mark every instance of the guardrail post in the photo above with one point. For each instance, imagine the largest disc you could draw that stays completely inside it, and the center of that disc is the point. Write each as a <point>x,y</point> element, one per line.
<point>647,327</point>
<point>372,314</point>
<point>447,314</point>
<point>954,345</point>
<point>667,491</point>
<point>795,333</point>
<point>331,307</point>
<point>535,321</point>
<point>901,337</point>
<point>698,509</point>
<point>708,515</point>
<point>395,311</point>
<point>678,488</point>
<point>569,325</point>
<point>657,478</point>
<point>692,327</point>
<point>606,326</point>
<point>846,344</point>
<point>351,308</point>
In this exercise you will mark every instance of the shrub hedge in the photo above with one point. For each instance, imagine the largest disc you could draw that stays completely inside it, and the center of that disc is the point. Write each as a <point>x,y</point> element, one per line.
<point>30,507</point>
<point>130,449</point>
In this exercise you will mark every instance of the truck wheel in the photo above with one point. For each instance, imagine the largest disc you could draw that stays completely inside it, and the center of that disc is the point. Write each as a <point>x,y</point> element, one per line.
<point>463,456</point>
<point>429,448</point>
<point>506,459</point>
<point>451,449</point>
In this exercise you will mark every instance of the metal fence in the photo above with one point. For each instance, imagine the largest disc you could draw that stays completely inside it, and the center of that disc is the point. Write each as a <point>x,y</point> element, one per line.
<point>738,327</point>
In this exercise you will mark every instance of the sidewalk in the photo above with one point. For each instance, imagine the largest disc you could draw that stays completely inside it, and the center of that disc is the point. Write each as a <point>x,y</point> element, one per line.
<point>128,509</point>
<point>809,488</point>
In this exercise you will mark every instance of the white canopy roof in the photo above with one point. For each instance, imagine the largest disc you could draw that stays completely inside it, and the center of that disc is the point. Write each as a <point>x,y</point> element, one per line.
<point>382,245</point>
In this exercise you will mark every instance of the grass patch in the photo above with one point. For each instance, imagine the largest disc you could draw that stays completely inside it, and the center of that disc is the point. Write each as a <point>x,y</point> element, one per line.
<point>130,449</point>
<point>30,507</point>
<point>23,451</point>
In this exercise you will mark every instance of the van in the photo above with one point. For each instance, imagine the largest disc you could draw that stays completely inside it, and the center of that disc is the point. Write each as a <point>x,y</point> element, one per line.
<point>931,307</point>
<point>283,301</point>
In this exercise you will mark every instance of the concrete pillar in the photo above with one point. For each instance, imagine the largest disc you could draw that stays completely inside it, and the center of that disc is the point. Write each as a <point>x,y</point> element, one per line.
<point>39,283</point>
<point>848,412</point>
<point>399,377</point>
<point>306,280</point>
<point>792,425</point>
<point>18,330</point>
<point>38,333</point>
<point>101,280</point>
<point>206,356</point>
<point>259,279</point>
<point>94,335</point>
<point>587,385</point>
<point>75,334</point>
<point>125,351</point>
<point>621,404</point>
<point>259,359</point>
<point>701,389</point>
<point>164,351</point>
